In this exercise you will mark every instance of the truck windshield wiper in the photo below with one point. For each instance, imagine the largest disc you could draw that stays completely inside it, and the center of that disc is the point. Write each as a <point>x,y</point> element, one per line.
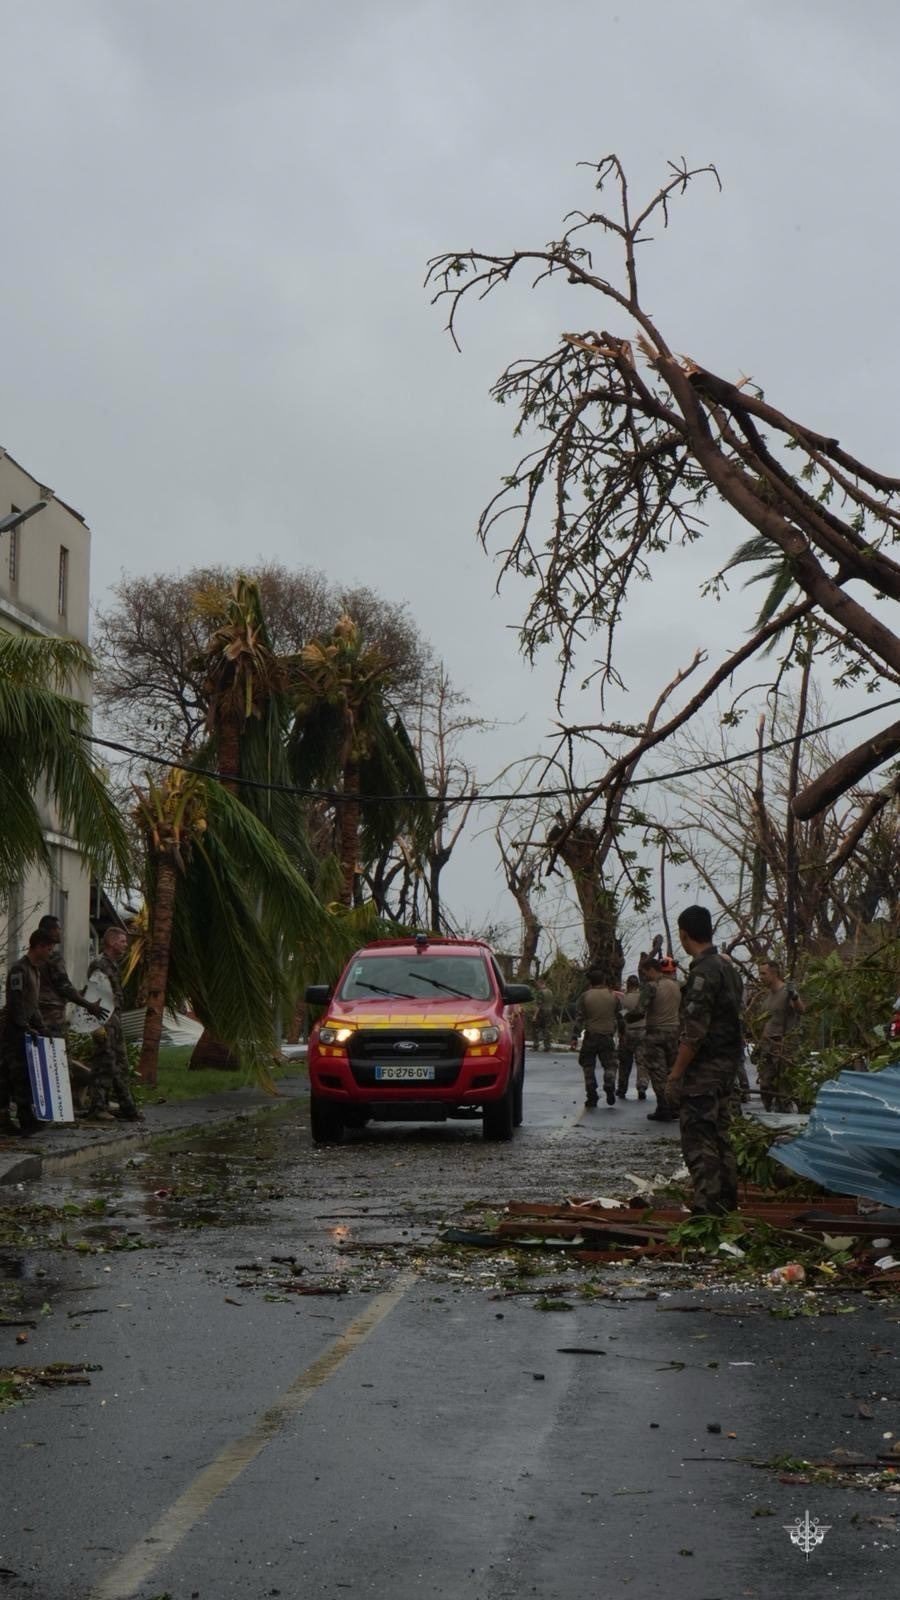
<point>392,994</point>
<point>462,993</point>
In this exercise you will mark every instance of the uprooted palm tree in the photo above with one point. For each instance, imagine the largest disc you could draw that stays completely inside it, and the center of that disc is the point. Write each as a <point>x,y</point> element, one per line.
<point>223,899</point>
<point>45,753</point>
<point>347,736</point>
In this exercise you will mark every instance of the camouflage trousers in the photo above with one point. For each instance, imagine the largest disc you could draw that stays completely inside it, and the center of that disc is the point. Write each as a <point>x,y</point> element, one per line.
<point>14,1082</point>
<point>541,1029</point>
<point>598,1047</point>
<point>656,1056</point>
<point>629,1055</point>
<point>109,1069</point>
<point>705,1105</point>
<point>772,1070</point>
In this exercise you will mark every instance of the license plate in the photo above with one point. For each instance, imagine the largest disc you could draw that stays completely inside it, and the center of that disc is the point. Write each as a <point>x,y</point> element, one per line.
<point>405,1072</point>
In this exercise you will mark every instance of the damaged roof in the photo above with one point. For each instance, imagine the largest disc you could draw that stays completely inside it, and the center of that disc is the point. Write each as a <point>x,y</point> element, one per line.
<point>851,1143</point>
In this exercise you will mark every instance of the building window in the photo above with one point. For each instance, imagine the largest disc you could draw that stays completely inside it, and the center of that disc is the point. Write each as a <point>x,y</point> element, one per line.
<point>63,580</point>
<point>13,551</point>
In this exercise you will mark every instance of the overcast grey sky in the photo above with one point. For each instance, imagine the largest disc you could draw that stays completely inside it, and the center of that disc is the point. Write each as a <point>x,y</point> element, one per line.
<point>216,215</point>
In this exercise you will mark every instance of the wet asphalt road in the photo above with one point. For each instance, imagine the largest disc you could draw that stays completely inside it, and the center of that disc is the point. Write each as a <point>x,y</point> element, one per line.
<point>419,1433</point>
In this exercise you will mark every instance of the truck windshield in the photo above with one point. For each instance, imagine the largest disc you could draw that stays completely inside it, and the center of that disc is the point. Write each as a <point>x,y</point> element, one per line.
<point>426,977</point>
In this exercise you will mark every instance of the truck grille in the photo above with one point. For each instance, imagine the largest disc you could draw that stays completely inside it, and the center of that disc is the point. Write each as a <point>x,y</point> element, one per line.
<point>442,1048</point>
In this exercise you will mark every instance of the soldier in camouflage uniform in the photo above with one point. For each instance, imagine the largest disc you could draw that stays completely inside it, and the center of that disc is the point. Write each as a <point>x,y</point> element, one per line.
<point>704,1075</point>
<point>660,1005</point>
<point>110,1063</point>
<point>542,1020</point>
<point>781,1009</point>
<point>57,991</point>
<point>21,1016</point>
<point>598,1011</point>
<point>631,1037</point>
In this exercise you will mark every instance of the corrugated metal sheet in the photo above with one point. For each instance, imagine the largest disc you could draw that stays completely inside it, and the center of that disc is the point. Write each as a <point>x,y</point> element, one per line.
<point>852,1141</point>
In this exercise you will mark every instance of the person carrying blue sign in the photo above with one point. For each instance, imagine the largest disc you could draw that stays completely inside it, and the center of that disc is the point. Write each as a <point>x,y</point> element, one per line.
<point>21,1017</point>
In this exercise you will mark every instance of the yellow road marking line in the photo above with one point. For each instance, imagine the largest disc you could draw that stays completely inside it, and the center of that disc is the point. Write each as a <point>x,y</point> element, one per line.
<point>135,1568</point>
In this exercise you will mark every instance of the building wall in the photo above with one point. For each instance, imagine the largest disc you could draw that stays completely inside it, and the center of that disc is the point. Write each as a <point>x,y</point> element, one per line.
<point>34,600</point>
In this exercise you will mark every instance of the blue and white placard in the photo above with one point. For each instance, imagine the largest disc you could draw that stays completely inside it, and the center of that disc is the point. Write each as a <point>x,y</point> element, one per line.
<point>48,1076</point>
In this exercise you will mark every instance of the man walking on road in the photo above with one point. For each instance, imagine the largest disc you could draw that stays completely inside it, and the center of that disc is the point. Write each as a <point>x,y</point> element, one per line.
<point>22,1016</point>
<point>631,1038</point>
<point>598,1012</point>
<point>110,1064</point>
<point>660,1004</point>
<point>704,1075</point>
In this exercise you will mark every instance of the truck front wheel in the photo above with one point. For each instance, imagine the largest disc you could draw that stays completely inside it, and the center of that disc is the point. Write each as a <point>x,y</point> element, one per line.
<point>519,1095</point>
<point>326,1124</point>
<point>497,1117</point>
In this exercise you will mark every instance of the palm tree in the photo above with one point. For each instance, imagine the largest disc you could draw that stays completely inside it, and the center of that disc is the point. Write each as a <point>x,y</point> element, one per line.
<point>346,735</point>
<point>45,753</point>
<point>248,713</point>
<point>170,818</point>
<point>218,884</point>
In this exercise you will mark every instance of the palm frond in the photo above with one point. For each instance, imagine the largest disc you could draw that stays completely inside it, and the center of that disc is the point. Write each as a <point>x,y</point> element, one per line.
<point>775,569</point>
<point>316,740</point>
<point>43,737</point>
<point>393,771</point>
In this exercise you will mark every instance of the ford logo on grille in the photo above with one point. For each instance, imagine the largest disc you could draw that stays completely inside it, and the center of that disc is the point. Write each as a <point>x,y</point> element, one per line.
<point>406,1044</point>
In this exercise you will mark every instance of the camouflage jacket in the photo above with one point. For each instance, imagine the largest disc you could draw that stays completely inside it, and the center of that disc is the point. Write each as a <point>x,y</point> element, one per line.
<point>110,970</point>
<point>57,991</point>
<point>711,1007</point>
<point>22,1013</point>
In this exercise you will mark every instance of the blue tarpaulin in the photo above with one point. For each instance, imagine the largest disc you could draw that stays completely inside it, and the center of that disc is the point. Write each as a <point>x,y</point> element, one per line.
<point>851,1143</point>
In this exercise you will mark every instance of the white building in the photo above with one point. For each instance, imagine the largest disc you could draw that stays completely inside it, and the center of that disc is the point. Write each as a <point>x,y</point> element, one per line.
<point>45,568</point>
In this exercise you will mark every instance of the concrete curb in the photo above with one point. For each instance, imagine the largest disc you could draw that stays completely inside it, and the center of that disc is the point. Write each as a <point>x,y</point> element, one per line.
<point>88,1146</point>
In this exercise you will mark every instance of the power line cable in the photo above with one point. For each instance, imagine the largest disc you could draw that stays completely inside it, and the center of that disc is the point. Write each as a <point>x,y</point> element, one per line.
<point>475,798</point>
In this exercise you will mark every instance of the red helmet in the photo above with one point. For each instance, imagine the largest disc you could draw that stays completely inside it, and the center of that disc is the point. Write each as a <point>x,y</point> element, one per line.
<point>667,967</point>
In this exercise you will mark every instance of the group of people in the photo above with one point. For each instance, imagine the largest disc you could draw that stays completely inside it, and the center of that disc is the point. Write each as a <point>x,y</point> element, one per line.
<point>38,993</point>
<point>687,1044</point>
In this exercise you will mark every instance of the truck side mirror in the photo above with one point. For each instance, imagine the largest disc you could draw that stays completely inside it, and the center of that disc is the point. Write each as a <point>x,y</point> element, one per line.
<point>517,994</point>
<point>317,994</point>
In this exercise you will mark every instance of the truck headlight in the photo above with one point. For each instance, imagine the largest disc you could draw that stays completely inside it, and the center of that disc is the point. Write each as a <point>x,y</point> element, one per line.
<point>481,1033</point>
<point>332,1035</point>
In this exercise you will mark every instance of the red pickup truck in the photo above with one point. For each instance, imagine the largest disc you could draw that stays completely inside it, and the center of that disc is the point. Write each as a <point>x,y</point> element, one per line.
<point>418,1030</point>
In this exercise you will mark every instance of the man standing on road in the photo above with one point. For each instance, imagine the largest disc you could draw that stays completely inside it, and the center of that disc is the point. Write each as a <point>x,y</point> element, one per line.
<point>598,1012</point>
<point>660,1005</point>
<point>704,1075</point>
<point>21,1017</point>
<point>631,1038</point>
<point>110,1064</point>
<point>542,1020</point>
<point>781,1010</point>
